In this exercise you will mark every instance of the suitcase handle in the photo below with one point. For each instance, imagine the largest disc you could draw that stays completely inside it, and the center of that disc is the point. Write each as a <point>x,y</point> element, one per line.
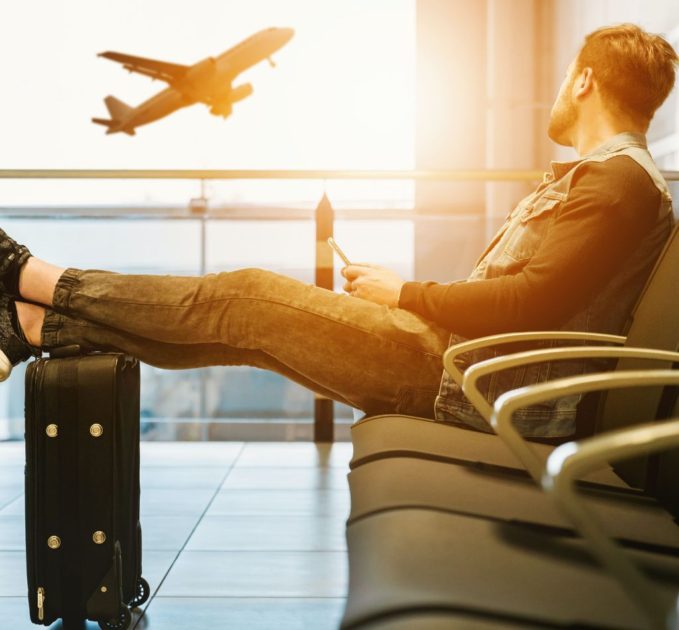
<point>76,350</point>
<point>65,351</point>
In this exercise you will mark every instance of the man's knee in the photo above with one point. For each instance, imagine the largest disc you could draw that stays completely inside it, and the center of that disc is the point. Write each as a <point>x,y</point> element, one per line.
<point>248,276</point>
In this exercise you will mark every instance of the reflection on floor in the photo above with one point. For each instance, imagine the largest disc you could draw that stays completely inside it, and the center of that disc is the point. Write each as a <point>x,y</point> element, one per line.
<point>236,535</point>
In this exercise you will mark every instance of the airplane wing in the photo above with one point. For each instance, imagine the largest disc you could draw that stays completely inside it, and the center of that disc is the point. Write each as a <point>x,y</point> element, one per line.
<point>162,70</point>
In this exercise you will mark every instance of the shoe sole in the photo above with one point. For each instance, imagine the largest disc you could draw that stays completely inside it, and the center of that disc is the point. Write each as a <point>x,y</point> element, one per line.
<point>5,367</point>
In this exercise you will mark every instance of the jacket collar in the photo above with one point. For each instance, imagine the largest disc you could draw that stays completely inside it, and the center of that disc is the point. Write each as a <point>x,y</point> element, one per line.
<point>612,145</point>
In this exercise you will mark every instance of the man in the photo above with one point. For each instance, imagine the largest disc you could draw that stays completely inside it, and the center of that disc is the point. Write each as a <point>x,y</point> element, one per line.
<point>572,255</point>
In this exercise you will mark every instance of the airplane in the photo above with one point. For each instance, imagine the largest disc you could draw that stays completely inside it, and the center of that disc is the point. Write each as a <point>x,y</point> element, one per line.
<point>209,81</point>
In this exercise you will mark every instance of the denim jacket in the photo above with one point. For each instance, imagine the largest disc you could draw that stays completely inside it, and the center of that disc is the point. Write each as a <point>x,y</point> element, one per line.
<point>518,239</point>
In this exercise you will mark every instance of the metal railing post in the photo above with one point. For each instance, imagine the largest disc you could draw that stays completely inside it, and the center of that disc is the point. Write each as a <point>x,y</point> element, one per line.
<point>324,423</point>
<point>199,207</point>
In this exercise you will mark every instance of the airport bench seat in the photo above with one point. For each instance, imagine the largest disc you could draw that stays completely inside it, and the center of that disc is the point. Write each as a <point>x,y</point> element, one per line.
<point>464,559</point>
<point>417,559</point>
<point>631,516</point>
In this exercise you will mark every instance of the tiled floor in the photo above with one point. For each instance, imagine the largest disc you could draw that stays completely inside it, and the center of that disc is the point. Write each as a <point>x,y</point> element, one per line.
<point>236,535</point>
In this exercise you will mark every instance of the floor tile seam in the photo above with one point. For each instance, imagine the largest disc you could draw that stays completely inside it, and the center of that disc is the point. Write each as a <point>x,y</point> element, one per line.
<point>146,488</point>
<point>281,489</point>
<point>281,512</point>
<point>199,467</point>
<point>300,490</point>
<point>297,552</point>
<point>180,467</point>
<point>307,467</point>
<point>234,463</point>
<point>184,514</point>
<point>342,516</point>
<point>197,444</point>
<point>271,513</point>
<point>193,529</point>
<point>267,551</point>
<point>283,516</point>
<point>328,470</point>
<point>254,597</point>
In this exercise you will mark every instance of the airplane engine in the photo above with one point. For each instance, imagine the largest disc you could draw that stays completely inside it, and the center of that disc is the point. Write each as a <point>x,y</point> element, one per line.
<point>240,92</point>
<point>223,109</point>
<point>224,106</point>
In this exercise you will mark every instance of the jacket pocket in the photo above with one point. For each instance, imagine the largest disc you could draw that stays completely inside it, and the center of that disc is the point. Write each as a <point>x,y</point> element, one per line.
<point>532,226</point>
<point>535,210</point>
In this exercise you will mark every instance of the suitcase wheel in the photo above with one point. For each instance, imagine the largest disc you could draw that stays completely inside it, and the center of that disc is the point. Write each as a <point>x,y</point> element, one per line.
<point>121,622</point>
<point>143,593</point>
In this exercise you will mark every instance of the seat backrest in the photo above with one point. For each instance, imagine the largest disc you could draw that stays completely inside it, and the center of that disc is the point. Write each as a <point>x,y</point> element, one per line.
<point>654,323</point>
<point>664,468</point>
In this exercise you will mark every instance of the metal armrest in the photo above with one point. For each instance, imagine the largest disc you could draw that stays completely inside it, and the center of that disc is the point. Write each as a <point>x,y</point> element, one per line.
<point>509,402</point>
<point>495,340</point>
<point>485,368</point>
<point>569,461</point>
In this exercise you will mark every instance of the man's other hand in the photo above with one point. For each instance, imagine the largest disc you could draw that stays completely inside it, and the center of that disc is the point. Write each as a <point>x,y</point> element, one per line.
<point>374,283</point>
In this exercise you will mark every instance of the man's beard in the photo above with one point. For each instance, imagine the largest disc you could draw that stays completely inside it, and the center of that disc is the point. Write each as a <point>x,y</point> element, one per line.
<point>562,119</point>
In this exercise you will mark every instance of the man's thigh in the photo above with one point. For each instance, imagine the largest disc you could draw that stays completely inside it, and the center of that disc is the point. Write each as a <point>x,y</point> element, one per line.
<point>377,358</point>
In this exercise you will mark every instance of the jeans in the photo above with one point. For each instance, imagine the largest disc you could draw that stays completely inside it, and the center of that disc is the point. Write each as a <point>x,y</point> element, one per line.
<point>375,358</point>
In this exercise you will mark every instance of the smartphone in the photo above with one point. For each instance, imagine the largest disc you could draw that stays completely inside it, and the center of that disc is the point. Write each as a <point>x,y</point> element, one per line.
<point>340,253</point>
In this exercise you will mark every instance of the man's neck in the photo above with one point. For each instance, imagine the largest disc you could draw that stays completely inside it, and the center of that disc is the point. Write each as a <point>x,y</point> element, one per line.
<point>591,133</point>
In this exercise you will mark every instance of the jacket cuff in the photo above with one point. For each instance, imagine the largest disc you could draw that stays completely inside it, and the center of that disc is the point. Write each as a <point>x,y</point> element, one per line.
<point>410,295</point>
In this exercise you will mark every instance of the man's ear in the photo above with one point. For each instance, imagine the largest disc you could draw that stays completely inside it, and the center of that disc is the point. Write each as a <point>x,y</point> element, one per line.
<point>584,83</point>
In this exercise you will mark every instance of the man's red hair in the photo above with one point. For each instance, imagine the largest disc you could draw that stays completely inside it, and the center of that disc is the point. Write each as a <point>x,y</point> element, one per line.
<point>634,70</point>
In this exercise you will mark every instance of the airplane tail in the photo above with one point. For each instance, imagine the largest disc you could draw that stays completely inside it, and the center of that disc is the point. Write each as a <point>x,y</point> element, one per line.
<point>105,122</point>
<point>117,109</point>
<point>112,126</point>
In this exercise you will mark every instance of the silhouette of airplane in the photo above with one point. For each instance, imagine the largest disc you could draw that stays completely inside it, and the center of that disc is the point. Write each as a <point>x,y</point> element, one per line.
<point>208,81</point>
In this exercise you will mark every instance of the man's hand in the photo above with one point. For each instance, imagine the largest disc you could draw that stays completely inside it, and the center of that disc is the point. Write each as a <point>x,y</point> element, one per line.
<point>374,283</point>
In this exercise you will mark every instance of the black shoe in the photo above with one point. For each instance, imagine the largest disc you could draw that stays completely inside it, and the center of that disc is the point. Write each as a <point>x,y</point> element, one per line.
<point>13,349</point>
<point>12,258</point>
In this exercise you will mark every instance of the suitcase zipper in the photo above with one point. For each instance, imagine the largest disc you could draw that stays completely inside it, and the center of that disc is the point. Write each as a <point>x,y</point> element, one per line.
<point>41,603</point>
<point>37,455</point>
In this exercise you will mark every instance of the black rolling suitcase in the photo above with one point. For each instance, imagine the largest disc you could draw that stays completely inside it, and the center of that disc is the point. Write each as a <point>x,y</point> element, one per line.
<point>83,537</point>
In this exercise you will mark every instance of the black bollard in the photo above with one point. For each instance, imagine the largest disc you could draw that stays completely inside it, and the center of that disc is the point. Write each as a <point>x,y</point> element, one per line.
<point>324,428</point>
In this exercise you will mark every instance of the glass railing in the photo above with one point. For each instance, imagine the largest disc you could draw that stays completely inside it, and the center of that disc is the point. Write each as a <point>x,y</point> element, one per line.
<point>196,222</point>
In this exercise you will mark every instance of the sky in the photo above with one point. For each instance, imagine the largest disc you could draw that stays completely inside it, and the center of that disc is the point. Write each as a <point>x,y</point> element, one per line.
<point>341,96</point>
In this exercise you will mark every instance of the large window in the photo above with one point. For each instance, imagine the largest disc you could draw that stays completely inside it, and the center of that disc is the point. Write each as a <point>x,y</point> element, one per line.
<point>664,132</point>
<point>342,95</point>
